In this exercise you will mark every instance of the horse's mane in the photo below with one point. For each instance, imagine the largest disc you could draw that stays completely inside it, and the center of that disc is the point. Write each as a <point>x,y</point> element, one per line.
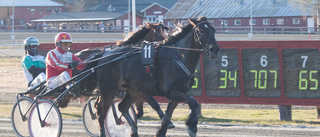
<point>178,34</point>
<point>135,37</point>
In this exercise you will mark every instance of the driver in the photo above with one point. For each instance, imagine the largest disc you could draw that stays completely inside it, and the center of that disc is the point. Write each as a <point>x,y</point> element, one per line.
<point>60,62</point>
<point>33,65</point>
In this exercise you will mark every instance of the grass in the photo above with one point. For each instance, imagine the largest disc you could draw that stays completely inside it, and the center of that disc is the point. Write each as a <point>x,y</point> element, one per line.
<point>234,116</point>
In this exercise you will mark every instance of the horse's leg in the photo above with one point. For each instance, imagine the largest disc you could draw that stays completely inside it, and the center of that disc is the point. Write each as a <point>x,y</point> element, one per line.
<point>155,105</point>
<point>105,102</point>
<point>166,119</point>
<point>139,105</point>
<point>193,119</point>
<point>123,107</point>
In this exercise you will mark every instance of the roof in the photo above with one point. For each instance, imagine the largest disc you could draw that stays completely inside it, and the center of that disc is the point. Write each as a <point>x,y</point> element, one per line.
<point>79,16</point>
<point>122,5</point>
<point>29,3</point>
<point>233,9</point>
<point>143,10</point>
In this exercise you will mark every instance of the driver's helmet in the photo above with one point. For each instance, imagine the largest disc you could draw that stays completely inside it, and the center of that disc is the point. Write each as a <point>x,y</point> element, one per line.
<point>62,37</point>
<point>31,46</point>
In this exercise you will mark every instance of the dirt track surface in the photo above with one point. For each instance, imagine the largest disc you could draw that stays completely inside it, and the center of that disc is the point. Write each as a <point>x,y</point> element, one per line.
<point>148,129</point>
<point>12,81</point>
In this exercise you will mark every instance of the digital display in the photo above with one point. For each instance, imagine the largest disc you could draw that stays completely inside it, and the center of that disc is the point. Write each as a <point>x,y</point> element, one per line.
<point>301,73</point>
<point>196,88</point>
<point>261,73</point>
<point>222,74</point>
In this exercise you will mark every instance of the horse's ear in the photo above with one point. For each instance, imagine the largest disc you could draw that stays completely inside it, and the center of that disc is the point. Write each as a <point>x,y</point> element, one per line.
<point>192,21</point>
<point>202,18</point>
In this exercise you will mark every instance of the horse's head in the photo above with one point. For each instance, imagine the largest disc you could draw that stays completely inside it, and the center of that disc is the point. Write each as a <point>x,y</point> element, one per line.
<point>159,31</point>
<point>205,35</point>
<point>148,32</point>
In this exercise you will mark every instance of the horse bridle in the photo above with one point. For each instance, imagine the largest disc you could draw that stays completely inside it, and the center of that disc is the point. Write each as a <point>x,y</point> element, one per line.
<point>156,33</point>
<point>196,35</point>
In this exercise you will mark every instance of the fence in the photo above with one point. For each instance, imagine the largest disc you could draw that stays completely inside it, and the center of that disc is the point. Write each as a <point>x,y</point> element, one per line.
<point>121,29</point>
<point>267,30</point>
<point>68,28</point>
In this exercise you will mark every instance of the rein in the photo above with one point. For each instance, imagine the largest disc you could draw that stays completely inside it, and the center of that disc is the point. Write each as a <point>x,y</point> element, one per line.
<point>200,50</point>
<point>97,59</point>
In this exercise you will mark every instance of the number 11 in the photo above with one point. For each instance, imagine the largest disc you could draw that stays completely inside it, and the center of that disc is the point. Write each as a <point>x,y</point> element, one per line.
<point>147,51</point>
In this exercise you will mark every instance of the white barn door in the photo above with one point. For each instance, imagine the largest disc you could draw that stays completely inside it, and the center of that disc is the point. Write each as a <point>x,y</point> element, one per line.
<point>310,26</point>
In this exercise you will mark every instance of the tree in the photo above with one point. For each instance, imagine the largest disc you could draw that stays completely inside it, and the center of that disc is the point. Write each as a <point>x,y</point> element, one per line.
<point>78,6</point>
<point>309,6</point>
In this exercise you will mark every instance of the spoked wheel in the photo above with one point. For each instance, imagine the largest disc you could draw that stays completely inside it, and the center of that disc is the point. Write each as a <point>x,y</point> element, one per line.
<point>123,129</point>
<point>19,119</point>
<point>89,119</point>
<point>52,124</point>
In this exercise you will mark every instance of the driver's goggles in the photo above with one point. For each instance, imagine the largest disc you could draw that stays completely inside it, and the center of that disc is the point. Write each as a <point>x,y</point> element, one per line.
<point>66,44</point>
<point>34,46</point>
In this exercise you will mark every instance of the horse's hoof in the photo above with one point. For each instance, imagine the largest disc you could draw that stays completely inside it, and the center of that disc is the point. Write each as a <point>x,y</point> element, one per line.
<point>171,125</point>
<point>192,134</point>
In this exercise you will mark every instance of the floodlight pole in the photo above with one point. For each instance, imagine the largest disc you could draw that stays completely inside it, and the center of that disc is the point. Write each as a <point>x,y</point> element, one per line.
<point>12,34</point>
<point>250,35</point>
<point>133,15</point>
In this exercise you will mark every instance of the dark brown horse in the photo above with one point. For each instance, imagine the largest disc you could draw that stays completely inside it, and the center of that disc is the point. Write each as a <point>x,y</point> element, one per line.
<point>174,71</point>
<point>149,32</point>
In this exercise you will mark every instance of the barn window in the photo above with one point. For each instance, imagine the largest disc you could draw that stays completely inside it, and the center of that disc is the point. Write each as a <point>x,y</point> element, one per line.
<point>170,24</point>
<point>212,22</point>
<point>296,21</point>
<point>266,21</point>
<point>253,22</point>
<point>280,21</point>
<point>183,23</point>
<point>152,19</point>
<point>237,22</point>
<point>224,22</point>
<point>118,24</point>
<point>49,10</point>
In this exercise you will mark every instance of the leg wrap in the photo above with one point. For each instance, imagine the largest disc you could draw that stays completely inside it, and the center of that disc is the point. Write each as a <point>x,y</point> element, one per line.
<point>165,120</point>
<point>193,119</point>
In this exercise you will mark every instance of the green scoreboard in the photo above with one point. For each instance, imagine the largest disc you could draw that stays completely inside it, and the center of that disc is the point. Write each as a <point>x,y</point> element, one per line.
<point>260,72</point>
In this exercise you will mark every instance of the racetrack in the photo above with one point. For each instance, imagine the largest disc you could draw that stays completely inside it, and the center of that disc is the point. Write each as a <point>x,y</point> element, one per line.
<point>73,128</point>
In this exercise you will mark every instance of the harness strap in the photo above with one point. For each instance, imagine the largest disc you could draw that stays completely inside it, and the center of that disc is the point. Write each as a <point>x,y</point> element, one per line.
<point>186,70</point>
<point>154,78</point>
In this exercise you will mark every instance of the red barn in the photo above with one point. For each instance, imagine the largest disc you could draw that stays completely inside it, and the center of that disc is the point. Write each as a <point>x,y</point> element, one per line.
<point>154,13</point>
<point>26,10</point>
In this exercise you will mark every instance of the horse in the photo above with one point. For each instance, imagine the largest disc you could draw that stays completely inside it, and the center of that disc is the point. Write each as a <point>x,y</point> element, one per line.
<point>175,62</point>
<point>149,32</point>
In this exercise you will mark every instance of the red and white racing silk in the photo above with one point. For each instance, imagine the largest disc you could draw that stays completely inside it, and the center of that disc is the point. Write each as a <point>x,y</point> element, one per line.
<point>57,61</point>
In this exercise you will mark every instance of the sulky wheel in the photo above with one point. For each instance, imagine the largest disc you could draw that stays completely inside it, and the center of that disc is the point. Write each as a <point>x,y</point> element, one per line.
<point>122,130</point>
<point>89,118</point>
<point>19,119</point>
<point>51,117</point>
